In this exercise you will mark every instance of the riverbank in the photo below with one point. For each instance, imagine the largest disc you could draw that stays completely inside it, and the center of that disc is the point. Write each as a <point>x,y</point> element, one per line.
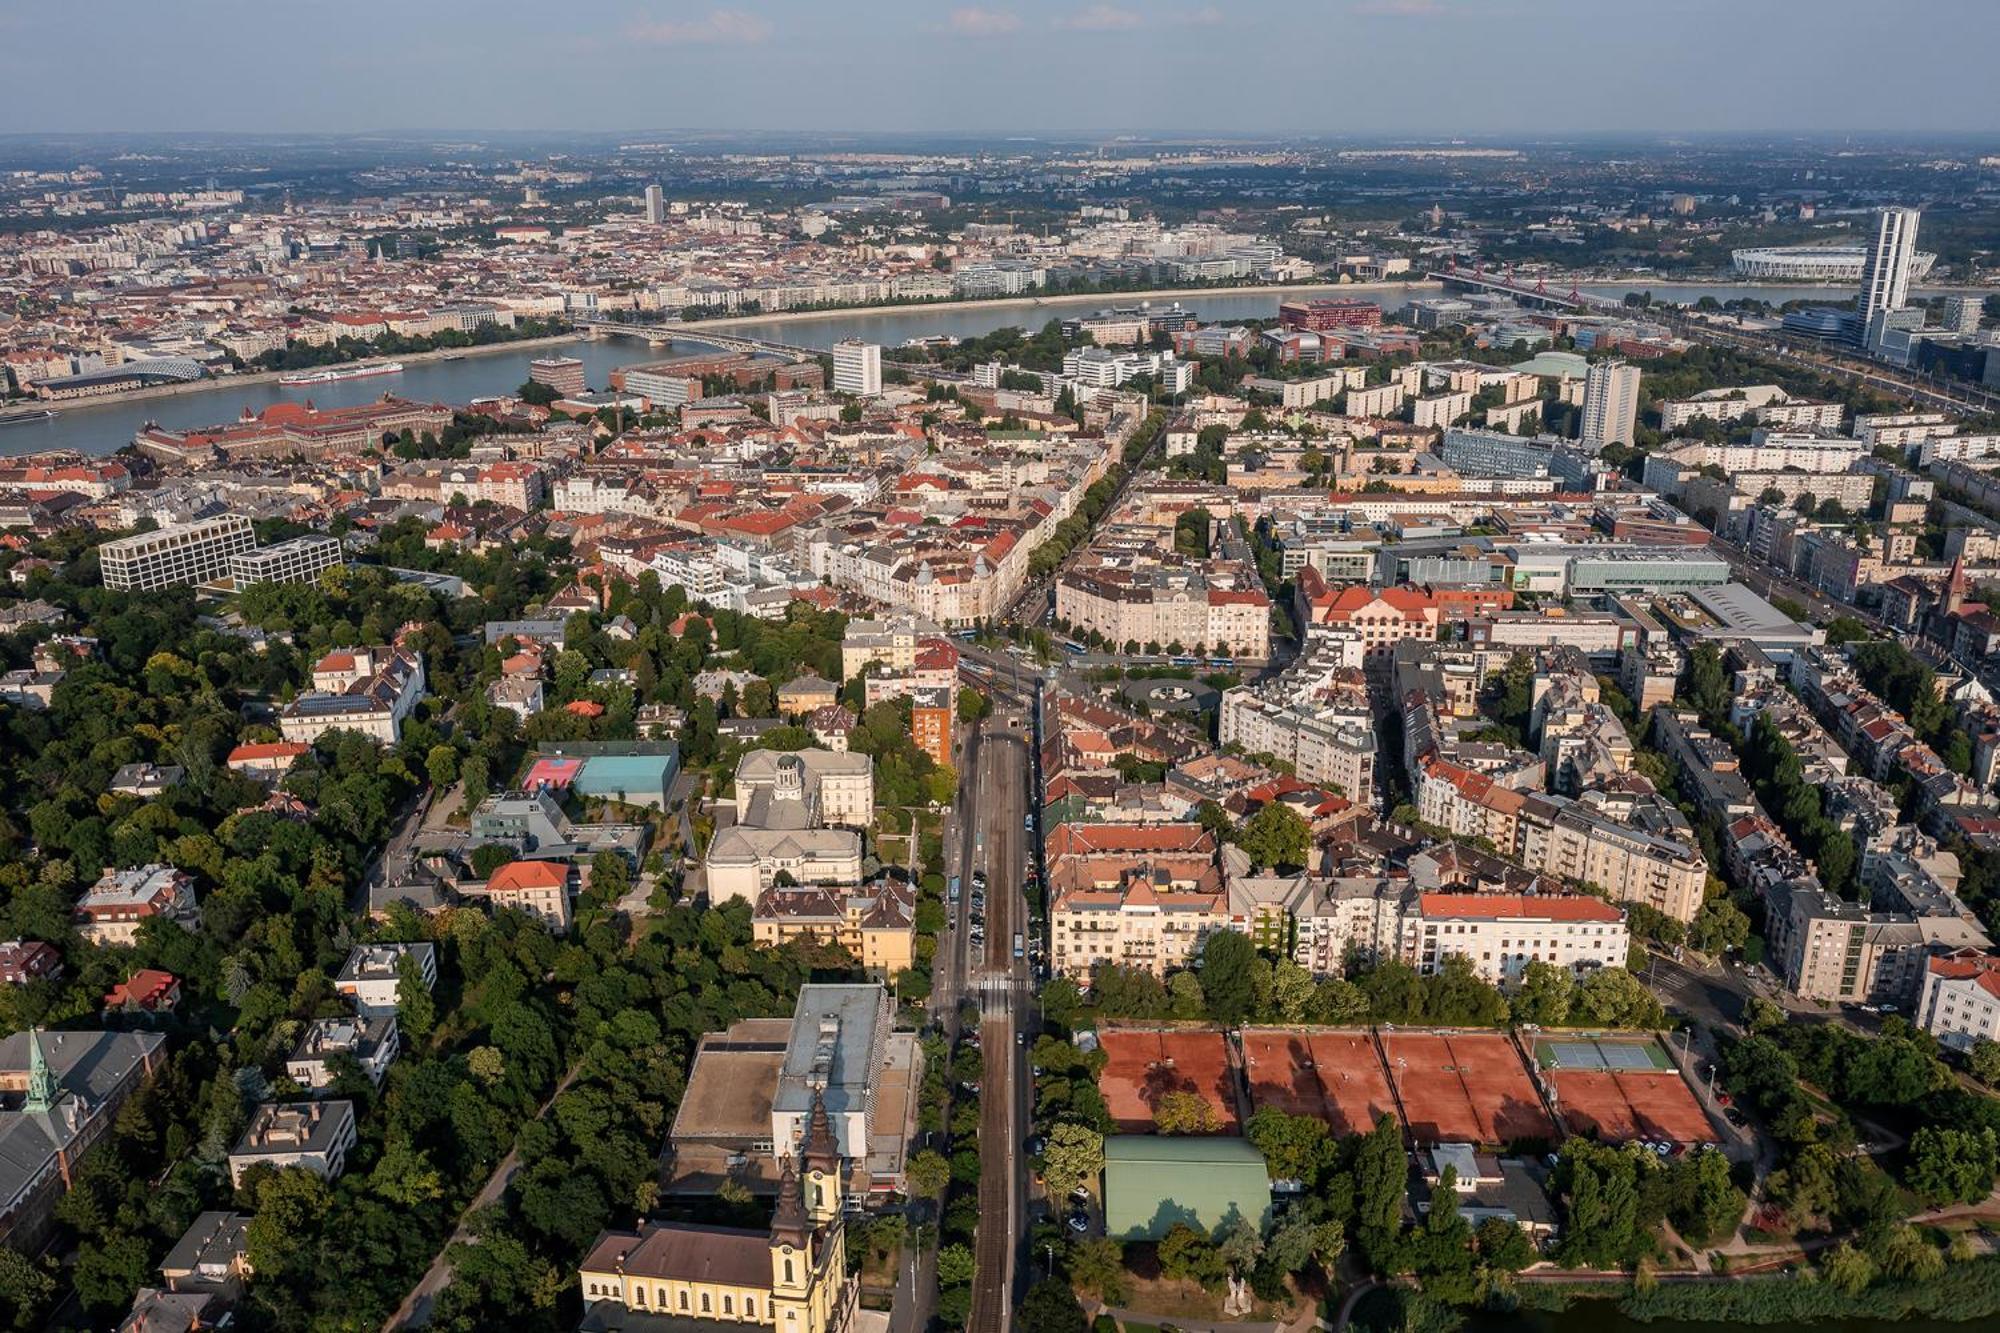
<point>1067,300</point>
<point>249,377</point>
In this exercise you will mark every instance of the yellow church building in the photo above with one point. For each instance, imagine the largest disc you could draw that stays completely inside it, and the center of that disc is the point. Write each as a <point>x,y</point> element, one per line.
<point>674,1277</point>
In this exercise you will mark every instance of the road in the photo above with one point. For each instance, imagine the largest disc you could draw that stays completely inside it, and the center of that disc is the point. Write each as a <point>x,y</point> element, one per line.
<point>1767,583</point>
<point>1001,982</point>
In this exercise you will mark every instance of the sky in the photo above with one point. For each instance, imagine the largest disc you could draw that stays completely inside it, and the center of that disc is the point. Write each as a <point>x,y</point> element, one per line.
<point>1051,67</point>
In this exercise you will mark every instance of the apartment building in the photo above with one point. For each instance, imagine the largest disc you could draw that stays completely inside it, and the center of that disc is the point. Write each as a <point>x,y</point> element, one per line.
<point>315,1135</point>
<point>111,911</point>
<point>1630,864</point>
<point>1501,933</point>
<point>1134,924</point>
<point>1315,715</point>
<point>372,1043</point>
<point>564,374</point>
<point>857,368</point>
<point>1163,604</point>
<point>876,923</point>
<point>890,643</point>
<point>1960,1000</point>
<point>170,557</point>
<point>372,972</point>
<point>1383,617</point>
<point>1610,404</point>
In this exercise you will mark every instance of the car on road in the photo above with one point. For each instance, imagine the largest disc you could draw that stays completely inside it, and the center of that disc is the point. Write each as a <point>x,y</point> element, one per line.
<point>1079,1222</point>
<point>1735,1117</point>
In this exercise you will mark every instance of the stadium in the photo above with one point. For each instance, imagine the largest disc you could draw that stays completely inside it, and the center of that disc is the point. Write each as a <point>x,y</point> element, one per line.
<point>1815,263</point>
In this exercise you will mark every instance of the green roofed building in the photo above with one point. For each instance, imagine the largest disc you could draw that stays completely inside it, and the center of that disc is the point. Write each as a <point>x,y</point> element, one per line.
<point>1151,1182</point>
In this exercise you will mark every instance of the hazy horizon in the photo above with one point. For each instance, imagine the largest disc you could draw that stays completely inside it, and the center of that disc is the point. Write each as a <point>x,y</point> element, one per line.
<point>1062,69</point>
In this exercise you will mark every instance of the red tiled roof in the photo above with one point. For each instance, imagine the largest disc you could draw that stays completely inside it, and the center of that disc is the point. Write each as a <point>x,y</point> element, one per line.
<point>517,875</point>
<point>1521,906</point>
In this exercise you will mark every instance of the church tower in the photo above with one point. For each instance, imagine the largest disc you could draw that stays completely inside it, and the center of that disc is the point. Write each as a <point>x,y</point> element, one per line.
<point>792,1257</point>
<point>1955,588</point>
<point>43,1090</point>
<point>822,1166</point>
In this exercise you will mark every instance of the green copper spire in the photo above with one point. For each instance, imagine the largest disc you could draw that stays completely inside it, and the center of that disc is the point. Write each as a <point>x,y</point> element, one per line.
<point>43,1090</point>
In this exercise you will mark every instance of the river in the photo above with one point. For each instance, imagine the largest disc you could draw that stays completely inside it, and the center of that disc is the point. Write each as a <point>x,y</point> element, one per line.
<point>104,427</point>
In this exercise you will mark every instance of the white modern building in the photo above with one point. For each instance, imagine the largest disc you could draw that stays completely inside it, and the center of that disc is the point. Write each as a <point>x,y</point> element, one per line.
<point>168,557</point>
<point>857,367</point>
<point>294,560</point>
<point>1960,1004</point>
<point>313,1135</point>
<point>656,205</point>
<point>1610,403</point>
<point>1885,267</point>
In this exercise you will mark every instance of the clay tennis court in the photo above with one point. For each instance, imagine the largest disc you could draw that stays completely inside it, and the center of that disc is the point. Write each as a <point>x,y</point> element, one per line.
<point>1145,1064</point>
<point>1332,1076</point>
<point>1620,1089</point>
<point>1617,1107</point>
<point>1464,1087</point>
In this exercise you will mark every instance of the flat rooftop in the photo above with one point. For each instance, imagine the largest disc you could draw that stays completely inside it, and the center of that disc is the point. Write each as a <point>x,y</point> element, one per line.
<point>832,1048</point>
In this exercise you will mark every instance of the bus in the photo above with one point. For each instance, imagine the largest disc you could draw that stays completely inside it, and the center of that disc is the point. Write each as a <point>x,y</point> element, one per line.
<point>1017,944</point>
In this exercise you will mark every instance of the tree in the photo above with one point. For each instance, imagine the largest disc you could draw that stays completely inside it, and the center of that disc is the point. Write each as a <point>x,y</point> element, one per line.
<point>1187,1254</point>
<point>109,1270</point>
<point>473,773</point>
<point>1544,996</point>
<point>1705,1204</point>
<point>416,1011</point>
<point>1984,1061</point>
<point>1294,1147</point>
<point>1062,1002</point>
<point>1761,1015</point>
<point>1952,1165</point>
<point>489,857</point>
<point>1183,1112</point>
<point>1847,1269</point>
<point>1503,1245</point>
<point>1807,1188</point>
<point>1289,993</point>
<point>954,1266</point>
<point>290,1206</point>
<point>928,1174</point>
<point>1228,960</point>
<point>1276,837</point>
<point>1185,998</point>
<point>1719,926</point>
<point>406,1177</point>
<point>1238,1243</point>
<point>1097,1263</point>
<point>1216,820</point>
<point>1380,1179</point>
<point>1074,1157</point>
<point>1905,1255</point>
<point>1613,997</point>
<point>441,766</point>
<point>1050,1307</point>
<point>26,1285</point>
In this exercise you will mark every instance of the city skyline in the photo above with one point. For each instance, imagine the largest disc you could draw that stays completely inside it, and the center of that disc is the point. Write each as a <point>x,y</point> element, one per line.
<point>1028,67</point>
